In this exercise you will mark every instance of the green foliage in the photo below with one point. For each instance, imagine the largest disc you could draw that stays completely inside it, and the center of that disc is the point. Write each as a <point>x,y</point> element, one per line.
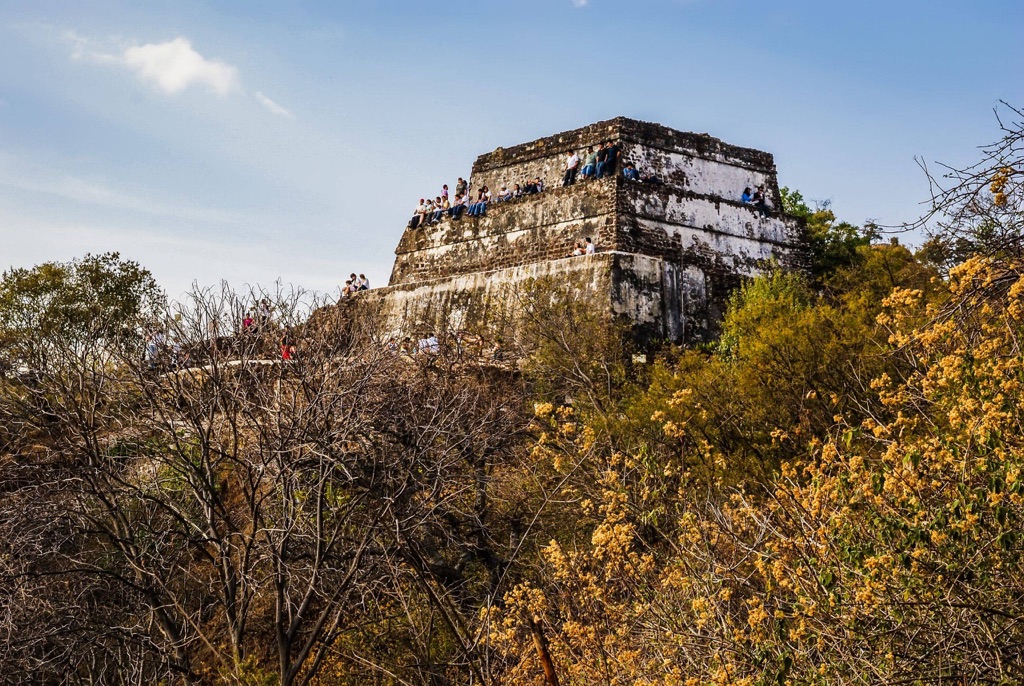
<point>635,494</point>
<point>787,362</point>
<point>249,673</point>
<point>93,301</point>
<point>776,297</point>
<point>834,244</point>
<point>880,268</point>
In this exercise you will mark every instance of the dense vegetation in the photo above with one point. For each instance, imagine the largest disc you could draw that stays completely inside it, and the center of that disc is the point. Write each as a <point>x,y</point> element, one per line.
<point>831,492</point>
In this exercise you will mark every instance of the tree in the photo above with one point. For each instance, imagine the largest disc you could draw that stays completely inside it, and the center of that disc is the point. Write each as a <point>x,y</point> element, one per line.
<point>976,210</point>
<point>833,244</point>
<point>259,514</point>
<point>885,548</point>
<point>79,307</point>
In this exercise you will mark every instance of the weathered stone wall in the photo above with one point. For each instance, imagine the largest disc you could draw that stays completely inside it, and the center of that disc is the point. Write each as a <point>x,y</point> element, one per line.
<point>715,242</point>
<point>642,290</point>
<point>544,158</point>
<point>721,179</point>
<point>529,229</point>
<point>652,147</point>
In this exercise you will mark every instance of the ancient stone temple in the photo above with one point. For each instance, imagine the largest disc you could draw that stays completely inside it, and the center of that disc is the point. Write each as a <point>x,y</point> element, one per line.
<point>668,253</point>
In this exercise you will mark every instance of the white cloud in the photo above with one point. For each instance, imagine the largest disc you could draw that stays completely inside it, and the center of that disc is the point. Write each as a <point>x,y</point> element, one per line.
<point>272,106</point>
<point>171,67</point>
<point>580,3</point>
<point>174,66</point>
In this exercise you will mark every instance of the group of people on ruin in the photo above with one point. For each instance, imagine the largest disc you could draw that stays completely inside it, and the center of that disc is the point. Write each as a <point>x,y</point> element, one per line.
<point>354,284</point>
<point>433,211</point>
<point>258,317</point>
<point>597,163</point>
<point>584,247</point>
<point>164,351</point>
<point>160,353</point>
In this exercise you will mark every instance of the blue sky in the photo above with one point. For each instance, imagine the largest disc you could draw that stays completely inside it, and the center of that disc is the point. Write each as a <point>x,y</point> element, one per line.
<point>256,140</point>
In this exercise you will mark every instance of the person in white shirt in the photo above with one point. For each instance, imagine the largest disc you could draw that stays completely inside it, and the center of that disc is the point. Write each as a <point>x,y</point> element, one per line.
<point>590,249</point>
<point>418,216</point>
<point>572,165</point>
<point>429,345</point>
<point>363,283</point>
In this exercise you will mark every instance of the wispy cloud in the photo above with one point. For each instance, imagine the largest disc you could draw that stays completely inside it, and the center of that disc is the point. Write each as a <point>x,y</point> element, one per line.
<point>174,66</point>
<point>170,67</point>
<point>90,49</point>
<point>580,3</point>
<point>18,175</point>
<point>272,106</point>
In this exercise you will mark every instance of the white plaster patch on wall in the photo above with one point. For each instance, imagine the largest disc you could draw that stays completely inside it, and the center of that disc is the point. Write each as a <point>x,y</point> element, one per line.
<point>741,252</point>
<point>723,218</point>
<point>703,176</point>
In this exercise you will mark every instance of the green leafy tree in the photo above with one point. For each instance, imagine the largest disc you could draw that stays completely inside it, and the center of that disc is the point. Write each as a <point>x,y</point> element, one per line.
<point>833,243</point>
<point>79,307</point>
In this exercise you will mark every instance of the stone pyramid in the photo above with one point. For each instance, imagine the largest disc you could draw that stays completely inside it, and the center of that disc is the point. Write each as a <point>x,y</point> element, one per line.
<point>669,252</point>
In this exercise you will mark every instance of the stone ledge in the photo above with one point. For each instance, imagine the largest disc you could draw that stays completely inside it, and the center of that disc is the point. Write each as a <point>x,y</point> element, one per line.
<point>466,229</point>
<point>623,129</point>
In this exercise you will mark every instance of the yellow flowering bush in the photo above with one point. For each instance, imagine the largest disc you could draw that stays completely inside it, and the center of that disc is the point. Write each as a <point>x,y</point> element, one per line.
<point>888,551</point>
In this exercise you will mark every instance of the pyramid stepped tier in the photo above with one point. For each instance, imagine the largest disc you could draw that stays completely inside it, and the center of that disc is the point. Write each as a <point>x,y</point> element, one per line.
<point>669,252</point>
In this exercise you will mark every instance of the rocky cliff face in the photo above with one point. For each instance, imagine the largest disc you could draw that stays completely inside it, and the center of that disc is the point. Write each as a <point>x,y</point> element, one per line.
<point>669,252</point>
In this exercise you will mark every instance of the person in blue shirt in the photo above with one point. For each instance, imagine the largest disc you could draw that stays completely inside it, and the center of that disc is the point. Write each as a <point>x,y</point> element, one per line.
<point>630,173</point>
<point>610,161</point>
<point>746,197</point>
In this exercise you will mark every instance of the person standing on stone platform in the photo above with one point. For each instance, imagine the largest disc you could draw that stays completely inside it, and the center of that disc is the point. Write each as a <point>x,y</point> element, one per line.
<point>572,164</point>
<point>461,187</point>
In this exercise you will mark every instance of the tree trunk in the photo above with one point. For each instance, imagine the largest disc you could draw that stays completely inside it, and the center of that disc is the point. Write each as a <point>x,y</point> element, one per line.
<point>550,677</point>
